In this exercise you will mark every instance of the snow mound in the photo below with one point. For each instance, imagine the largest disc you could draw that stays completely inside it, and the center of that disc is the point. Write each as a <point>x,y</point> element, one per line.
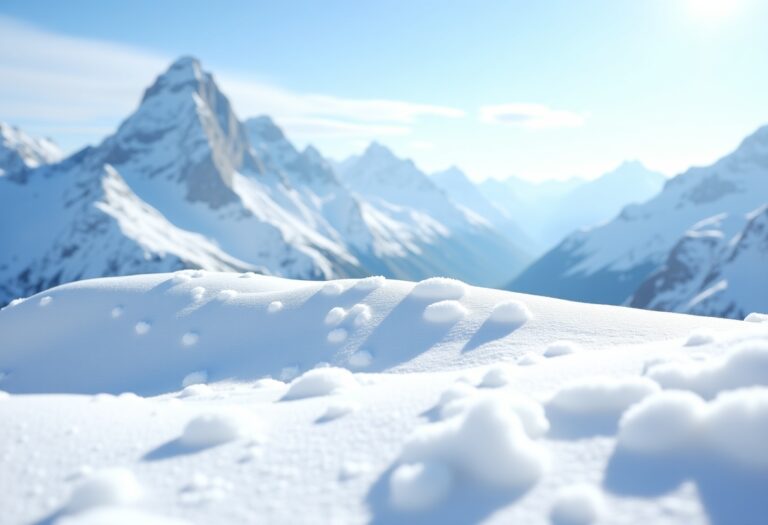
<point>4,395</point>
<point>118,516</point>
<point>419,486</point>
<point>559,348</point>
<point>195,378</point>
<point>339,408</point>
<point>443,312</point>
<point>335,316</point>
<point>577,505</point>
<point>46,300</point>
<point>227,295</point>
<point>115,486</point>
<point>530,358</point>
<point>198,293</point>
<point>510,312</point>
<point>208,430</point>
<point>332,288</point>
<point>439,288</point>
<point>274,307</point>
<point>369,284</point>
<point>487,443</point>
<point>602,395</point>
<point>361,314</point>
<point>117,312</point>
<point>734,426</point>
<point>745,365</point>
<point>700,337</point>
<point>196,390</point>
<point>321,382</point>
<point>360,359</point>
<point>496,377</point>
<point>337,335</point>
<point>756,317</point>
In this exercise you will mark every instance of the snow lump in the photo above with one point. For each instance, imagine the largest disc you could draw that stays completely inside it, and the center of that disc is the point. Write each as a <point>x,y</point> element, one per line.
<point>510,312</point>
<point>115,486</point>
<point>439,288</point>
<point>321,382</point>
<point>444,312</point>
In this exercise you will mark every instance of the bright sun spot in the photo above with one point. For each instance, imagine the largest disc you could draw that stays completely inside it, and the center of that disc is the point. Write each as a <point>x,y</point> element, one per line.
<point>713,8</point>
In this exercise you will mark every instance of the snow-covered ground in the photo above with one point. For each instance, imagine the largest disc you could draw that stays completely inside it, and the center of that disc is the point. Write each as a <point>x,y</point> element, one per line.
<point>204,398</point>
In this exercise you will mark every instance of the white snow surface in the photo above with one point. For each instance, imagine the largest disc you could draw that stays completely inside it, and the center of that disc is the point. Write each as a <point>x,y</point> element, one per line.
<point>404,421</point>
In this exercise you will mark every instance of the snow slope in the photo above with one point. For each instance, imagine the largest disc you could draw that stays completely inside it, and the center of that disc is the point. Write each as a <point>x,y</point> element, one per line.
<point>707,273</point>
<point>607,263</point>
<point>20,152</point>
<point>147,399</point>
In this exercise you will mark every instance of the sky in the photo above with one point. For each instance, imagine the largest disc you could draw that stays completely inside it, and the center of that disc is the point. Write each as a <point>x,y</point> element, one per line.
<point>544,89</point>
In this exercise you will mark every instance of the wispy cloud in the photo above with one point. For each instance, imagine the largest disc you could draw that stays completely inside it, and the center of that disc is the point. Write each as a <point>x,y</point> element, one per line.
<point>58,82</point>
<point>531,116</point>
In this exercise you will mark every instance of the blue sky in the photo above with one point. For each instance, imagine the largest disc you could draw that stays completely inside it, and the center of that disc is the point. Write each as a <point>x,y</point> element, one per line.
<point>540,89</point>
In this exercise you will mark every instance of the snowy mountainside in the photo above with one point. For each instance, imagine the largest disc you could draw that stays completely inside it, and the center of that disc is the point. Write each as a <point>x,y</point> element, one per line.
<point>709,274</point>
<point>430,402</point>
<point>19,152</point>
<point>607,263</point>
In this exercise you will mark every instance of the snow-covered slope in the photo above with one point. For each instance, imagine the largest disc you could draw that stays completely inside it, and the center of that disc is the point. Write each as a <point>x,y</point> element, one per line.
<point>20,152</point>
<point>399,403</point>
<point>607,263</point>
<point>466,194</point>
<point>707,273</point>
<point>410,214</point>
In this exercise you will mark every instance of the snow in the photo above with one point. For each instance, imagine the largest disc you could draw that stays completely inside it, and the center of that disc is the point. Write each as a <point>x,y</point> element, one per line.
<point>530,358</point>
<point>142,328</point>
<point>700,337</point>
<point>449,311</point>
<point>118,516</point>
<point>275,306</point>
<point>510,312</point>
<point>744,365</point>
<point>756,317</point>
<point>487,443</point>
<point>337,336</point>
<point>115,486</point>
<point>419,486</point>
<point>208,430</point>
<point>335,316</point>
<point>321,382</point>
<point>439,288</point>
<point>369,284</point>
<point>45,301</point>
<point>405,421</point>
<point>577,505</point>
<point>559,348</point>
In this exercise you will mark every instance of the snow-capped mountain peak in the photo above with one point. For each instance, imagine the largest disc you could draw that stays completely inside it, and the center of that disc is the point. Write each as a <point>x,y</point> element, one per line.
<point>20,152</point>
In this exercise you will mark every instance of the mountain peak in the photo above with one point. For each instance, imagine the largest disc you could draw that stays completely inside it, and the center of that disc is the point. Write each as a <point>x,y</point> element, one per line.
<point>184,72</point>
<point>379,150</point>
<point>264,129</point>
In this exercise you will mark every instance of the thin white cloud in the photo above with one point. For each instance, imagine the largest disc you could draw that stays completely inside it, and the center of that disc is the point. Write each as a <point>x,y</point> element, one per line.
<point>59,81</point>
<point>531,116</point>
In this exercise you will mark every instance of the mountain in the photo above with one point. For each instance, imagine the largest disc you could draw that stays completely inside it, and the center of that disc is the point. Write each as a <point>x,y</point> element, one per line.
<point>20,153</point>
<point>420,230</point>
<point>184,183</point>
<point>208,398</point>
<point>708,273</point>
<point>467,195</point>
<point>608,263</point>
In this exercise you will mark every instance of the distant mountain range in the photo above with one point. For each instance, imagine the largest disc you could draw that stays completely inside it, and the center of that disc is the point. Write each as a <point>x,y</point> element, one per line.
<point>699,246</point>
<point>184,183</point>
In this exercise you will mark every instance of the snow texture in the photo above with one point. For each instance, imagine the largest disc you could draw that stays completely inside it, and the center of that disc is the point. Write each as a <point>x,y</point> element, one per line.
<point>115,486</point>
<point>419,486</point>
<point>321,382</point>
<point>559,348</point>
<point>444,312</point>
<point>208,430</point>
<point>577,505</point>
<point>439,288</point>
<point>515,313</point>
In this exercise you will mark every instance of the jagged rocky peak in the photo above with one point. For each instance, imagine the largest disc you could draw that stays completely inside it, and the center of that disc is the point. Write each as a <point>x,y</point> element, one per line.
<point>263,129</point>
<point>20,152</point>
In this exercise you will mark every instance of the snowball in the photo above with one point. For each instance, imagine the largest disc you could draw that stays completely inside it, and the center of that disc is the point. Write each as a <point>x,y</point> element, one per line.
<point>339,408</point>
<point>189,339</point>
<point>577,505</point>
<point>662,422</point>
<point>142,327</point>
<point>208,430</point>
<point>496,377</point>
<point>737,426</point>
<point>45,301</point>
<point>445,312</point>
<point>529,358</point>
<point>332,288</point>
<point>559,348</point>
<point>360,359</point>
<point>116,486</point>
<point>419,486</point>
<point>602,395</point>
<point>510,312</point>
<point>335,316</point>
<point>274,307</point>
<point>321,382</point>
<point>195,390</point>
<point>437,288</point>
<point>226,295</point>
<point>487,443</point>
<point>755,317</point>
<point>198,292</point>
<point>700,337</point>
<point>361,313</point>
<point>337,335</point>
<point>746,365</point>
<point>370,283</point>
<point>195,378</point>
<point>117,311</point>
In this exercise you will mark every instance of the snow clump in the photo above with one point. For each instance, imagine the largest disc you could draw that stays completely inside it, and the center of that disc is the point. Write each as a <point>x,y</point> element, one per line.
<point>337,335</point>
<point>142,327</point>
<point>700,337</point>
<point>529,358</point>
<point>321,382</point>
<point>45,301</point>
<point>115,486</point>
<point>189,339</point>
<point>331,288</point>
<point>419,486</point>
<point>370,283</point>
<point>274,307</point>
<point>439,288</point>
<point>208,430</point>
<point>360,359</point>
<point>756,317</point>
<point>602,395</point>
<point>443,312</point>
<point>496,377</point>
<point>559,348</point>
<point>577,505</point>
<point>510,312</point>
<point>339,408</point>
